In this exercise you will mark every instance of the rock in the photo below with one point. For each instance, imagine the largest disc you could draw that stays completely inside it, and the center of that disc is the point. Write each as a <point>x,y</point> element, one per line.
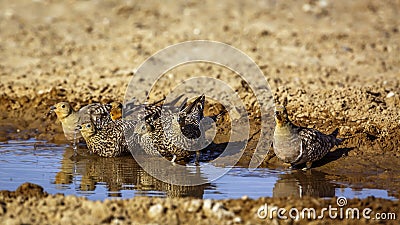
<point>99,211</point>
<point>156,211</point>
<point>66,220</point>
<point>390,94</point>
<point>237,220</point>
<point>207,204</point>
<point>3,208</point>
<point>194,205</point>
<point>11,221</point>
<point>221,213</point>
<point>207,207</point>
<point>29,189</point>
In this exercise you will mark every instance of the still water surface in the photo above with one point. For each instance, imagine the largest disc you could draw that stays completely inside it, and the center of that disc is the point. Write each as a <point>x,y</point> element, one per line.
<point>96,178</point>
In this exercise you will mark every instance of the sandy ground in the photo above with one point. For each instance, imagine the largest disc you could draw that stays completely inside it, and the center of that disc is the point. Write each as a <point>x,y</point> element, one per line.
<point>337,62</point>
<point>30,205</point>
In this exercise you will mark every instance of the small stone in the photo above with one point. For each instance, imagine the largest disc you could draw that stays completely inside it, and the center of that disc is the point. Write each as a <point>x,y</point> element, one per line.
<point>390,94</point>
<point>3,208</point>
<point>9,13</point>
<point>99,211</point>
<point>207,207</point>
<point>207,204</point>
<point>196,31</point>
<point>66,220</point>
<point>221,213</point>
<point>245,197</point>
<point>237,220</point>
<point>322,3</point>
<point>217,206</point>
<point>306,7</point>
<point>194,205</point>
<point>156,211</point>
<point>11,221</point>
<point>117,221</point>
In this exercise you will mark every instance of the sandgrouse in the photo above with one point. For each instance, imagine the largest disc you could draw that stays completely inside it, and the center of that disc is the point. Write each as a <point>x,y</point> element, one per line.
<point>111,139</point>
<point>172,134</point>
<point>297,145</point>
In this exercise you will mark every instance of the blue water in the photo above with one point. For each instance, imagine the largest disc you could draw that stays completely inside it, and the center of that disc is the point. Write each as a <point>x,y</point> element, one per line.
<point>96,178</point>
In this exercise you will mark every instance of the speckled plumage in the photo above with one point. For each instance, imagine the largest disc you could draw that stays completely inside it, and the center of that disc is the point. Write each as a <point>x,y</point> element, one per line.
<point>97,113</point>
<point>140,111</point>
<point>171,133</point>
<point>297,145</point>
<point>70,118</point>
<point>109,141</point>
<point>151,112</point>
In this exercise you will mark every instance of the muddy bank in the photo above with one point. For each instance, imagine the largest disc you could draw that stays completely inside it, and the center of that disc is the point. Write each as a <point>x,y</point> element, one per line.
<point>335,72</point>
<point>29,204</point>
<point>368,157</point>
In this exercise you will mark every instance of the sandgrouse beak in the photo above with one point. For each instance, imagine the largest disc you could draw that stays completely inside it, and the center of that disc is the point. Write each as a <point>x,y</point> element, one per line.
<point>280,113</point>
<point>52,108</point>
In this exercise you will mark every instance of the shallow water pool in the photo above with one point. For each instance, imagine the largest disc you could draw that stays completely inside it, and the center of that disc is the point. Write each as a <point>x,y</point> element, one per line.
<point>53,167</point>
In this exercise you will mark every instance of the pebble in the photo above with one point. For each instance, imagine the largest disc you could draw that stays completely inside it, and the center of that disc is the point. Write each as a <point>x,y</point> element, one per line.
<point>117,221</point>
<point>67,218</point>
<point>306,7</point>
<point>10,221</point>
<point>390,94</point>
<point>156,211</point>
<point>217,206</point>
<point>207,204</point>
<point>99,211</point>
<point>245,197</point>
<point>221,213</point>
<point>237,220</point>
<point>3,208</point>
<point>194,205</point>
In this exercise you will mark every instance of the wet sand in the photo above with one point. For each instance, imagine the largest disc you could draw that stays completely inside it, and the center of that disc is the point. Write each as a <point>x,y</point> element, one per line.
<point>337,64</point>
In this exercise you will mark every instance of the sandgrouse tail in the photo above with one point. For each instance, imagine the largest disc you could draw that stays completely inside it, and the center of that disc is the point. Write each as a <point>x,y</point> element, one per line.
<point>139,111</point>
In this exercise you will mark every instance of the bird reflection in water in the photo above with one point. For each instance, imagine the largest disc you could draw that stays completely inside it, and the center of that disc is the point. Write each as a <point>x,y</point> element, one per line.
<point>300,183</point>
<point>124,173</point>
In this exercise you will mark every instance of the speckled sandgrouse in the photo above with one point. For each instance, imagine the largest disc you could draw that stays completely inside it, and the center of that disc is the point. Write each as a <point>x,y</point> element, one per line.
<point>96,112</point>
<point>139,111</point>
<point>297,145</point>
<point>172,134</point>
<point>110,140</point>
